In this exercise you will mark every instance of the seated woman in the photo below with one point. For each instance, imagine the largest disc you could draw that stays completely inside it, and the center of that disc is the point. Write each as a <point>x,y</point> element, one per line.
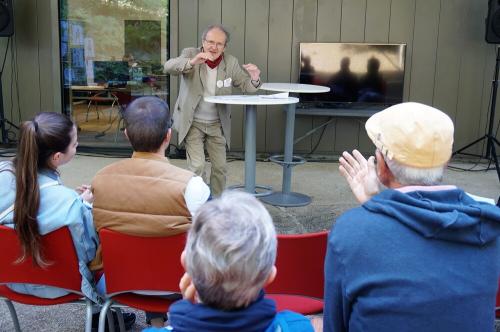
<point>35,203</point>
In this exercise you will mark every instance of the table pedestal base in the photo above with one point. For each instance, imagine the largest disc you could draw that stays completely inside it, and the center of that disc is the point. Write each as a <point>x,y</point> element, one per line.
<point>287,199</point>
<point>266,190</point>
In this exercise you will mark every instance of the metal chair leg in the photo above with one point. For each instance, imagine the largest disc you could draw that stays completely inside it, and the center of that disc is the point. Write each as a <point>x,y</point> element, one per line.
<point>118,128</point>
<point>121,323</point>
<point>88,110</point>
<point>105,313</point>
<point>88,318</point>
<point>13,314</point>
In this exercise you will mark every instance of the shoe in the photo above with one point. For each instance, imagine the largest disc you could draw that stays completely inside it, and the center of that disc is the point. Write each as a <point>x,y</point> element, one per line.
<point>128,319</point>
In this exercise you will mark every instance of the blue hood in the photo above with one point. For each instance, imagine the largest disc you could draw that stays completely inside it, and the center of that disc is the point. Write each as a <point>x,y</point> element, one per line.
<point>449,215</point>
<point>185,316</point>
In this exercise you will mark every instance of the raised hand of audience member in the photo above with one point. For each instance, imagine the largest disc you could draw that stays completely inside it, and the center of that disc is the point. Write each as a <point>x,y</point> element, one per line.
<point>361,175</point>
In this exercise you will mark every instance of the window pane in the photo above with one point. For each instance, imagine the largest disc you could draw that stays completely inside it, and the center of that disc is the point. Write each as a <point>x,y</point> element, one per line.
<point>112,51</point>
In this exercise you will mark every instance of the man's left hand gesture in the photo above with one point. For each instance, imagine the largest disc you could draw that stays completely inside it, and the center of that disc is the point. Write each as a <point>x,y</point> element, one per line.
<point>253,70</point>
<point>361,175</point>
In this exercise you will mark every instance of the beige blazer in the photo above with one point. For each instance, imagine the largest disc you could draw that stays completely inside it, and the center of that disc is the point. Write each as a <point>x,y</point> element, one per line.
<point>193,79</point>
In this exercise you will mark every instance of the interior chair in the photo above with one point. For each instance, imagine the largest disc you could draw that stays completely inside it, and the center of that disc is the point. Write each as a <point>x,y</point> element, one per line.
<point>152,265</point>
<point>123,98</point>
<point>96,98</point>
<point>300,280</point>
<point>60,253</point>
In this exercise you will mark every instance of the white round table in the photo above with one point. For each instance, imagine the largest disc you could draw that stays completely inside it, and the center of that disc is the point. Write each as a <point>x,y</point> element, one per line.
<point>250,102</point>
<point>294,87</point>
<point>286,197</point>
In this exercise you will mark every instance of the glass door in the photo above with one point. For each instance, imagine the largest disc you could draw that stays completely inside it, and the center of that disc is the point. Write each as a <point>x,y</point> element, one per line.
<point>112,51</point>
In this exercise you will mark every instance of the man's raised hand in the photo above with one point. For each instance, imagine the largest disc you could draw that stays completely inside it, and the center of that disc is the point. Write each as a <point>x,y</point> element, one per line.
<point>201,57</point>
<point>361,175</point>
<point>253,70</point>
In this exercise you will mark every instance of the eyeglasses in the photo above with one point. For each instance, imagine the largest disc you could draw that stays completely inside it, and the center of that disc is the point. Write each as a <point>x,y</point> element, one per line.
<point>212,43</point>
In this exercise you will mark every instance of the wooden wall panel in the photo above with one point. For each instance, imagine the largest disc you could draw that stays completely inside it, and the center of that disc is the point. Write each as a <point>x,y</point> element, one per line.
<point>256,52</point>
<point>47,31</point>
<point>448,58</point>
<point>352,30</point>
<point>470,102</point>
<point>45,52</point>
<point>209,12</point>
<point>329,20</point>
<point>174,50</point>
<point>402,22</point>
<point>488,77</point>
<point>425,34</point>
<point>378,19</point>
<point>7,77</point>
<point>304,30</point>
<point>278,67</point>
<point>188,25</point>
<point>26,46</point>
<point>378,14</point>
<point>328,30</point>
<point>353,21</point>
<point>233,17</point>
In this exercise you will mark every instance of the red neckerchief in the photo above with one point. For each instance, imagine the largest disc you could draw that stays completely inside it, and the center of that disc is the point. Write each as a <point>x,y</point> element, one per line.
<point>215,63</point>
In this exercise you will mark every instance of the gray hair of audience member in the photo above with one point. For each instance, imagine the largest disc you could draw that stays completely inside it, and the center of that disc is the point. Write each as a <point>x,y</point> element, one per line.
<point>216,26</point>
<point>407,175</point>
<point>230,250</point>
<point>147,121</point>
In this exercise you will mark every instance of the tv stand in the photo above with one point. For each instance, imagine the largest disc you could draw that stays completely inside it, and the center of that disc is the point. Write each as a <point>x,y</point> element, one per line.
<point>339,109</point>
<point>334,112</point>
<point>339,112</point>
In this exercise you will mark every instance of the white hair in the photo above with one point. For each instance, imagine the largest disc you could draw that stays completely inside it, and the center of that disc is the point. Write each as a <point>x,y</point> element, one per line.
<point>407,175</point>
<point>230,250</point>
<point>213,27</point>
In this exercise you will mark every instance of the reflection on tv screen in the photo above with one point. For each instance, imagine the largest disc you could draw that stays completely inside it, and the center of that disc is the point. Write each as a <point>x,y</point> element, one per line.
<point>357,74</point>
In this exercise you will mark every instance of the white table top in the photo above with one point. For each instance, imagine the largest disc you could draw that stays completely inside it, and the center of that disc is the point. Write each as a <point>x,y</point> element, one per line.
<point>294,87</point>
<point>250,100</point>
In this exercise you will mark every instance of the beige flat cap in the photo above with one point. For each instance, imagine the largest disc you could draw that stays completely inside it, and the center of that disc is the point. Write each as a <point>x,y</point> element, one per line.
<point>412,134</point>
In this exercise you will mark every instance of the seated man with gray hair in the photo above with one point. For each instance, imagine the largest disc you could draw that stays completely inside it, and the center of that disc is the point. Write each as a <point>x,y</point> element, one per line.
<point>416,256</point>
<point>229,258</point>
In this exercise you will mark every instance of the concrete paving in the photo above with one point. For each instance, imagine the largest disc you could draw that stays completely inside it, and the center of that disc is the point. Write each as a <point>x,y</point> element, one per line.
<point>321,180</point>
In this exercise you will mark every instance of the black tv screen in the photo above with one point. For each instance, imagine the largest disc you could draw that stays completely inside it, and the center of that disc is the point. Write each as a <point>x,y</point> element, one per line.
<point>357,74</point>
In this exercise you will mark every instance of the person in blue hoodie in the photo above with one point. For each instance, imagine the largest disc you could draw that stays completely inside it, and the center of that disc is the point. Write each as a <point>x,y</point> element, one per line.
<point>229,258</point>
<point>417,255</point>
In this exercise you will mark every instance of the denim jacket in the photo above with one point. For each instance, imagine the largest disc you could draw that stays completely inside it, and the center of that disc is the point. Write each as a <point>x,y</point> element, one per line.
<point>59,206</point>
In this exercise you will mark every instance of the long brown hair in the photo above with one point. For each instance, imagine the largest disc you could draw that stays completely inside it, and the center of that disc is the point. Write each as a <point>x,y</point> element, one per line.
<point>39,139</point>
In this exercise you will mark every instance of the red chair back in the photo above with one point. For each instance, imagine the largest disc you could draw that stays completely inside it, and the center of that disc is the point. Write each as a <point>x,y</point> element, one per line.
<point>300,262</point>
<point>133,263</point>
<point>123,97</point>
<point>57,249</point>
<point>299,283</point>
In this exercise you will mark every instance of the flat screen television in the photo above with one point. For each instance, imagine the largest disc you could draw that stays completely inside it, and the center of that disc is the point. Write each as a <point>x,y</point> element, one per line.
<point>359,75</point>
